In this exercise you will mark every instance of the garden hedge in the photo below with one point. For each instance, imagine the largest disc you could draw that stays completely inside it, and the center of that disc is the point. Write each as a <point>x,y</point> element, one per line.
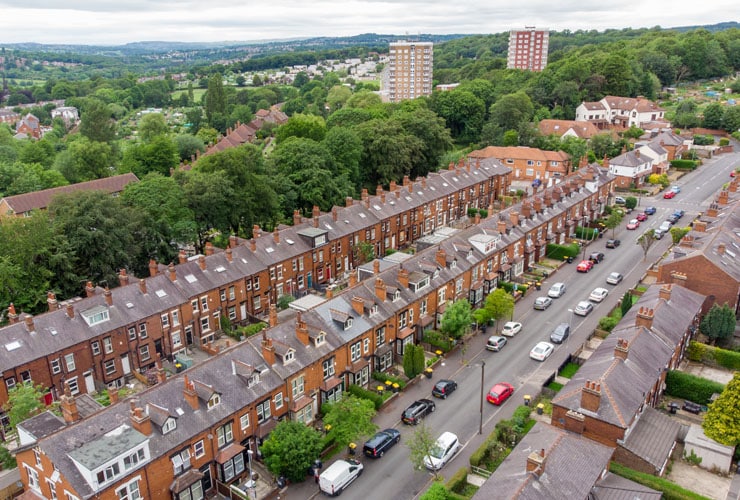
<point>684,164</point>
<point>685,386</point>
<point>559,252</point>
<point>713,356</point>
<point>358,391</point>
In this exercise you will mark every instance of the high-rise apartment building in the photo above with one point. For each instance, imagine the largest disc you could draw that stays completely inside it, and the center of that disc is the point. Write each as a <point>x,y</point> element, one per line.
<point>410,72</point>
<point>528,49</point>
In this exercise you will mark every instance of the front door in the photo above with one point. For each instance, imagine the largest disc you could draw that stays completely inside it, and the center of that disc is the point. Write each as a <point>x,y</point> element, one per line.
<point>89,381</point>
<point>125,364</point>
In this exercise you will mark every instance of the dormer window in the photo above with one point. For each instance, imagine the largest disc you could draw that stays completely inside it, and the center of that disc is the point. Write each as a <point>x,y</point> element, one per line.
<point>396,295</point>
<point>214,401</point>
<point>169,425</point>
<point>374,309</point>
<point>320,338</point>
<point>348,324</point>
<point>253,379</point>
<point>453,264</point>
<point>96,315</point>
<point>289,356</point>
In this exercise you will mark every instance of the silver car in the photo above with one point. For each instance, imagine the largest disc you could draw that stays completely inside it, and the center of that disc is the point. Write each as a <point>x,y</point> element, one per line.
<point>614,278</point>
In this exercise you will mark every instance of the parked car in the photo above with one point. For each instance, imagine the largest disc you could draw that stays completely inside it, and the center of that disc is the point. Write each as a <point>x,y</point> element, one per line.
<point>598,294</point>
<point>676,189</point>
<point>541,351</point>
<point>613,243</point>
<point>556,290</point>
<point>596,257</point>
<point>444,388</point>
<point>584,266</point>
<point>418,410</point>
<point>511,328</point>
<point>339,475</point>
<point>382,441</point>
<point>650,210</point>
<point>669,194</point>
<point>446,446</point>
<point>500,393</point>
<point>583,308</point>
<point>619,200</point>
<point>665,226</point>
<point>495,343</point>
<point>657,234</point>
<point>679,213</point>
<point>673,218</point>
<point>633,224</point>
<point>560,333</point>
<point>642,217</point>
<point>542,303</point>
<point>614,278</point>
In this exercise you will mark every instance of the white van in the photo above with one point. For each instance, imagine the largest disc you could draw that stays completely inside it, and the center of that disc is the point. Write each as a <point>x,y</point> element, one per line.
<point>444,449</point>
<point>338,476</point>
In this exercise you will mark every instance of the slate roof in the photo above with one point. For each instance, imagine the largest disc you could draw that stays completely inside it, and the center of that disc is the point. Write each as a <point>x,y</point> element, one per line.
<point>653,437</point>
<point>613,487</point>
<point>630,159</point>
<point>21,203</point>
<point>573,464</point>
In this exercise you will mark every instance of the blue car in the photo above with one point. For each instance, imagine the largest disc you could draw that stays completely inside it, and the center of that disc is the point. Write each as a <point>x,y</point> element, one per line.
<point>650,210</point>
<point>678,213</point>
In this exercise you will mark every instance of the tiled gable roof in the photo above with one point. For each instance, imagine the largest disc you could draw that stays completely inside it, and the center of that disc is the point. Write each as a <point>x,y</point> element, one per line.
<point>21,203</point>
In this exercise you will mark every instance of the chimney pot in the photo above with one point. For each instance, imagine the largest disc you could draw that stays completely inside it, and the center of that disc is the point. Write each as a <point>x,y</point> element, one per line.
<point>70,311</point>
<point>229,254</point>
<point>253,245</point>
<point>272,315</point>
<point>29,323</point>
<point>276,236</point>
<point>123,277</point>
<point>12,315</point>
<point>202,262</point>
<point>142,286</point>
<point>89,289</point>
<point>51,300</point>
<point>108,296</point>
<point>209,248</point>
<point>152,267</point>
<point>182,257</point>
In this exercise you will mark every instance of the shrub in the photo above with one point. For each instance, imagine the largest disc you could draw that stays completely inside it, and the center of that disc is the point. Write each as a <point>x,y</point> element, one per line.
<point>252,329</point>
<point>284,301</point>
<point>458,481</point>
<point>558,252</point>
<point>358,391</point>
<point>670,491</point>
<point>586,233</point>
<point>695,351</point>
<point>472,211</point>
<point>724,141</point>
<point>382,377</point>
<point>684,164</point>
<point>437,339</point>
<point>569,370</point>
<point>607,323</point>
<point>714,356</point>
<point>483,213</point>
<point>686,386</point>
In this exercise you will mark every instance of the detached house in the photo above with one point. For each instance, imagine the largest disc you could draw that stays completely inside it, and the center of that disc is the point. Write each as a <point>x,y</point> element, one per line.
<point>630,169</point>
<point>622,112</point>
<point>28,126</point>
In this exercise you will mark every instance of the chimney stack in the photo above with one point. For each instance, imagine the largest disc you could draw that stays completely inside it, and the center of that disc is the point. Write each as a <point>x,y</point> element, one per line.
<point>358,305</point>
<point>363,194</point>
<point>721,248</point>
<point>70,311</point>
<point>712,211</point>
<point>113,396</point>
<point>591,396</point>
<point>152,267</point>
<point>537,204</point>
<point>29,323</point>
<point>501,226</point>
<point>12,315</point>
<point>142,286</point>
<point>678,278</point>
<point>191,397</point>
<point>68,405</point>
<point>108,296</point>
<point>514,217</point>
<point>622,349</point>
<point>348,201</point>
<point>123,277</point>
<point>172,272</point>
<point>665,292</point>
<point>352,278</point>
<point>441,257</point>
<point>644,317</point>
<point>723,198</point>
<point>376,267</point>
<point>380,291</point>
<point>209,248</point>
<point>403,277</point>
<point>406,181</point>
<point>51,300</point>
<point>140,420</point>
<point>700,226</point>
<point>392,187</point>
<point>182,257</point>
<point>253,245</point>
<point>276,236</point>
<point>272,316</point>
<point>229,254</point>
<point>202,262</point>
<point>255,231</point>
<point>536,462</point>
<point>232,241</point>
<point>268,351</point>
<point>89,289</point>
<point>301,330</point>
<point>526,209</point>
<point>334,213</point>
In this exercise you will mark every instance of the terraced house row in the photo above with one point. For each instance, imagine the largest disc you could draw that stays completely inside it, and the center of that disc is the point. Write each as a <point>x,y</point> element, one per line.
<point>191,433</point>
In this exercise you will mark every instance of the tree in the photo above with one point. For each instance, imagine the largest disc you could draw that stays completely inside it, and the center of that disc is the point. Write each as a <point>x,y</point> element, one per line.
<point>613,221</point>
<point>630,202</point>
<point>96,121</point>
<point>291,449</point>
<point>719,323</point>
<point>713,115</point>
<point>24,400</point>
<point>722,421</point>
<point>419,359</point>
<point>363,252</point>
<point>463,113</point>
<point>436,491</point>
<point>152,125</point>
<point>499,304</point>
<point>457,319</point>
<point>420,445</point>
<point>677,234</point>
<point>350,418</point>
<point>215,98</point>
<point>300,125</point>
<point>626,303</point>
<point>408,361</point>
<point>188,145</point>
<point>510,111</point>
<point>646,240</point>
<point>85,160</point>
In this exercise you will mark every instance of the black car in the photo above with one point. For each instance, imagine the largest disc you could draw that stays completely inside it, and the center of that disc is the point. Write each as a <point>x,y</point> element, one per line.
<point>443,388</point>
<point>418,410</point>
<point>673,218</point>
<point>596,257</point>
<point>612,243</point>
<point>376,446</point>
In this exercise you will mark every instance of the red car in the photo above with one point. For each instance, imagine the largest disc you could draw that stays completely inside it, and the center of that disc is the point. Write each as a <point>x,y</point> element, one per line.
<point>500,393</point>
<point>642,217</point>
<point>633,224</point>
<point>669,194</point>
<point>584,266</point>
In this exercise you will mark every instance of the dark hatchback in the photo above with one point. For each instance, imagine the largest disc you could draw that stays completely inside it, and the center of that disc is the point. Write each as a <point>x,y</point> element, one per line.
<point>418,410</point>
<point>443,388</point>
<point>376,446</point>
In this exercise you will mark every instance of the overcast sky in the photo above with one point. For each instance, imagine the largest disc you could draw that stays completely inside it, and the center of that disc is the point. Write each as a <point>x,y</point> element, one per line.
<point>109,22</point>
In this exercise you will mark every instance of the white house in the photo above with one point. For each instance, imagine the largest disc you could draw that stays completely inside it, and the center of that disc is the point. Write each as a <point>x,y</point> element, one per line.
<point>630,168</point>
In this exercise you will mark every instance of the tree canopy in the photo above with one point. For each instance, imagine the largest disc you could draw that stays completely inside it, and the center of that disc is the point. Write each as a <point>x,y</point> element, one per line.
<point>722,421</point>
<point>291,449</point>
<point>349,419</point>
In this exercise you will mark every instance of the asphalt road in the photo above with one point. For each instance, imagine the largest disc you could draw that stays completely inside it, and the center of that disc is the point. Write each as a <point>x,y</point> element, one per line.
<point>393,476</point>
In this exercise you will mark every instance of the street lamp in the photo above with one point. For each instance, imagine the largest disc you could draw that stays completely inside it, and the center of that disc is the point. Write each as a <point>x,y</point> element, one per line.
<point>251,484</point>
<point>482,375</point>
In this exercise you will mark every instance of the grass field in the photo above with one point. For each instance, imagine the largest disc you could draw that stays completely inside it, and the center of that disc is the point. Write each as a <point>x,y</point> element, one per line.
<point>197,94</point>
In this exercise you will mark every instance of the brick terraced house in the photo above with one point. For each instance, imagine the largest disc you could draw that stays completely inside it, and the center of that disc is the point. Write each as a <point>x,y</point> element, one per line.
<point>190,434</point>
